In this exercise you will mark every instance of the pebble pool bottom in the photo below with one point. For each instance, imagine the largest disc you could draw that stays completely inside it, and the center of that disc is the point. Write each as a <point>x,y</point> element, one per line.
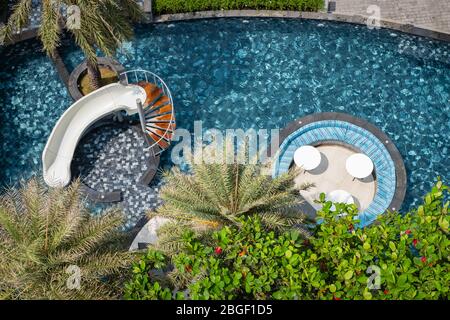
<point>255,73</point>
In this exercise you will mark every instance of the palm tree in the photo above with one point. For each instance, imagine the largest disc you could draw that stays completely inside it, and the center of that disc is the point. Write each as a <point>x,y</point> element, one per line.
<point>215,195</point>
<point>104,25</point>
<point>47,236</point>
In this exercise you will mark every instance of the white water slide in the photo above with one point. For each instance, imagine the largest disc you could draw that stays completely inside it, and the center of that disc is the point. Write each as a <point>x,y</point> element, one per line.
<point>69,129</point>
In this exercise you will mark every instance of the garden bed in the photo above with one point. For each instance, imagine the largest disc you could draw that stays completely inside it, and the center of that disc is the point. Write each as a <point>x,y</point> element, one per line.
<point>180,6</point>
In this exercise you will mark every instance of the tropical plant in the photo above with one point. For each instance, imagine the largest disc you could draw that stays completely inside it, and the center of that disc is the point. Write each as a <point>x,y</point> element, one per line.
<point>48,238</point>
<point>104,25</point>
<point>239,263</point>
<point>398,257</point>
<point>218,194</point>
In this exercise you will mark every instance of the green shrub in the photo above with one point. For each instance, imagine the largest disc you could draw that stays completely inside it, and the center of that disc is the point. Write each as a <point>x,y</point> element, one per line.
<point>141,288</point>
<point>411,253</point>
<point>214,195</point>
<point>176,6</point>
<point>246,263</point>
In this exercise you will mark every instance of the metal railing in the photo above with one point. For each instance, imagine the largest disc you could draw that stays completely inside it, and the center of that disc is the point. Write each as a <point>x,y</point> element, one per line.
<point>135,76</point>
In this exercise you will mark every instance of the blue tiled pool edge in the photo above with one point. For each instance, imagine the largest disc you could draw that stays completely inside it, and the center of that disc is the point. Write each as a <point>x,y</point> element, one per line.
<point>358,133</point>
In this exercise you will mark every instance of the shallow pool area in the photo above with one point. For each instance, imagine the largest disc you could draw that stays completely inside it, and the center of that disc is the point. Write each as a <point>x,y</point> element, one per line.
<point>255,73</point>
<point>330,176</point>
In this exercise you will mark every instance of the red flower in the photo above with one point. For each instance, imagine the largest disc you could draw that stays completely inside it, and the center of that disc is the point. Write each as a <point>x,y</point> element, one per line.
<point>336,298</point>
<point>408,231</point>
<point>386,291</point>
<point>218,250</point>
<point>423,259</point>
<point>415,241</point>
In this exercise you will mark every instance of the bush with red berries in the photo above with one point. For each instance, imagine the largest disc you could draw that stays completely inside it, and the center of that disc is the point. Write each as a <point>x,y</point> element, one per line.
<point>244,263</point>
<point>398,257</point>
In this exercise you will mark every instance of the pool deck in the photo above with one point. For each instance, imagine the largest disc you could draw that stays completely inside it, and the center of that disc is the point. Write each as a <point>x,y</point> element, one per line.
<point>357,16</point>
<point>427,14</point>
<point>331,175</point>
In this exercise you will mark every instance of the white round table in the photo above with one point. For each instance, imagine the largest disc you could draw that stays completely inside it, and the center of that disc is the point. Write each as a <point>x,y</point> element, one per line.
<point>339,196</point>
<point>359,166</point>
<point>307,157</point>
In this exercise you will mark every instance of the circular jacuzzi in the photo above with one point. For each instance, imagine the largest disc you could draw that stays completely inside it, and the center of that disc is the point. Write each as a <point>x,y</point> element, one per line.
<point>355,134</point>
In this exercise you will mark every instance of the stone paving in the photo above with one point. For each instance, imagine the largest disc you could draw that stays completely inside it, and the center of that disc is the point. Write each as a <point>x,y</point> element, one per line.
<point>112,158</point>
<point>428,14</point>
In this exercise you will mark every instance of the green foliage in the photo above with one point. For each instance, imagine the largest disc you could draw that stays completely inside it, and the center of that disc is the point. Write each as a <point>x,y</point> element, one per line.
<point>175,6</point>
<point>45,232</point>
<point>140,288</point>
<point>241,263</point>
<point>412,253</point>
<point>104,25</point>
<point>219,194</point>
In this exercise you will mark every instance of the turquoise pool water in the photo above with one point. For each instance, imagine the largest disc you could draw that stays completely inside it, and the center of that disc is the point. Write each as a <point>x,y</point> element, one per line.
<point>260,73</point>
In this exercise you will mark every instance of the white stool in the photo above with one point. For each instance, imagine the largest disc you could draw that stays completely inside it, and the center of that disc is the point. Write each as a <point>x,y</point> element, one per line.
<point>339,196</point>
<point>307,157</point>
<point>359,166</point>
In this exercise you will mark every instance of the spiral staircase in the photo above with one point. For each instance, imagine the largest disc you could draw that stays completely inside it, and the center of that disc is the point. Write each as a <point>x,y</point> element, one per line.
<point>156,113</point>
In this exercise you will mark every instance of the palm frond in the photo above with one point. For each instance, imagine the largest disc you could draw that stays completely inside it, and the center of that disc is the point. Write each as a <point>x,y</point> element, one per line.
<point>91,232</point>
<point>43,232</point>
<point>218,194</point>
<point>170,237</point>
<point>104,25</point>
<point>134,11</point>
<point>49,31</point>
<point>18,20</point>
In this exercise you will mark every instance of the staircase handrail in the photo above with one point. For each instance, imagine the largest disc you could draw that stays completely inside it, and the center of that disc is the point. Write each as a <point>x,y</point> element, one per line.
<point>124,78</point>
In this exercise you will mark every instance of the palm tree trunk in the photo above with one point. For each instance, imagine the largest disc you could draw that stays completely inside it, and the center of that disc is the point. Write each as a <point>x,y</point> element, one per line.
<point>61,68</point>
<point>94,74</point>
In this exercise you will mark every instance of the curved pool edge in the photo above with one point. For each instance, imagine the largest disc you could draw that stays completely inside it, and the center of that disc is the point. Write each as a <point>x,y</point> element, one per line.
<point>400,170</point>
<point>320,15</point>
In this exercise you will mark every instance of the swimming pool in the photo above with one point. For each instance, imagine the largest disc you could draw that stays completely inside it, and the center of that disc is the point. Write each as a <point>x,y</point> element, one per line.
<point>256,73</point>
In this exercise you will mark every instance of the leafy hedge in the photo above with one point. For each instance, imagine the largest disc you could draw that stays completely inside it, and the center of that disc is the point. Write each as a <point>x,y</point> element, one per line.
<point>241,265</point>
<point>177,6</point>
<point>410,254</point>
